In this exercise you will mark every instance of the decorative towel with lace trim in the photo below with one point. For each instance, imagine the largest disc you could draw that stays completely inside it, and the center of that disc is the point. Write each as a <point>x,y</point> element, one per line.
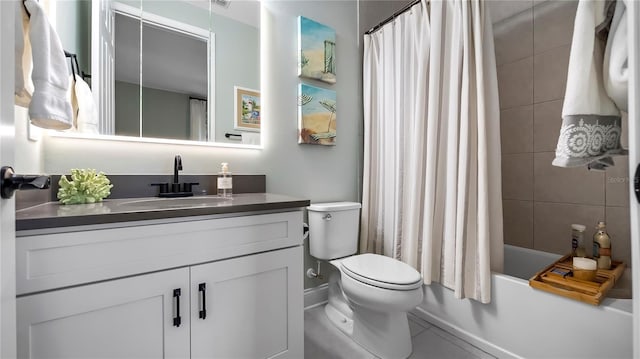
<point>591,120</point>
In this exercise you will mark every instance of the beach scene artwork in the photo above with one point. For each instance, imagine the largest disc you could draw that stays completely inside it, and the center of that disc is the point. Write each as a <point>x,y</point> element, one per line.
<point>316,115</point>
<point>247,109</point>
<point>317,50</point>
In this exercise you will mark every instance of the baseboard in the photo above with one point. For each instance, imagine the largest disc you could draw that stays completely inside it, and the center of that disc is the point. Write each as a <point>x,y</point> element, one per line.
<point>472,339</point>
<point>316,296</point>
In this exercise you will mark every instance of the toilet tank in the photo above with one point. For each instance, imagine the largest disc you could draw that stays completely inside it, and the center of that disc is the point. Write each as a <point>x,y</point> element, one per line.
<point>333,229</point>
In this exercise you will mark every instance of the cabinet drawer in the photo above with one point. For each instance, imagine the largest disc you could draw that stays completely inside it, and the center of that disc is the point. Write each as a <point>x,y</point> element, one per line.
<point>57,260</point>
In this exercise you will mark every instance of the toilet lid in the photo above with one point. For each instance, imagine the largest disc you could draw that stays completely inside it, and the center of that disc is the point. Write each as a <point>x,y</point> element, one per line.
<point>382,271</point>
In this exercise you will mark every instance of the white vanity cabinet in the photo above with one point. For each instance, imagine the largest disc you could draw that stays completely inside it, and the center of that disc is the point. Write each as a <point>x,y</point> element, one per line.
<point>113,292</point>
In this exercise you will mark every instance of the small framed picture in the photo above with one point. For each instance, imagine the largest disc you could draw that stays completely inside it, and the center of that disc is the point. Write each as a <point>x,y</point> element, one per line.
<point>247,109</point>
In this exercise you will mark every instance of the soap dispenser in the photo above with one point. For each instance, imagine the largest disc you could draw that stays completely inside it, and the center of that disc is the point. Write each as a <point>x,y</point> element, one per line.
<point>225,182</point>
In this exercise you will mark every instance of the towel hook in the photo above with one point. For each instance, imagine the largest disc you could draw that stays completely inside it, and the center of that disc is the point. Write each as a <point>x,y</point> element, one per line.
<point>73,59</point>
<point>229,135</point>
<point>24,5</point>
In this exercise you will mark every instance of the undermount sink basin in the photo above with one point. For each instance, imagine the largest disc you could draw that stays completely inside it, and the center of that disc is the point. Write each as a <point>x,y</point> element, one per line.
<point>161,203</point>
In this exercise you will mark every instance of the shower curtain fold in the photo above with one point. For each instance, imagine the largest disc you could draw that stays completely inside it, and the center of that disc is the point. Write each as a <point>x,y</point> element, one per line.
<point>432,177</point>
<point>198,120</point>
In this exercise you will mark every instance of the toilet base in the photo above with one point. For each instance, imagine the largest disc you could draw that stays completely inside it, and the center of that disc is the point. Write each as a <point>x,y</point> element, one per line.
<point>384,334</point>
<point>341,321</point>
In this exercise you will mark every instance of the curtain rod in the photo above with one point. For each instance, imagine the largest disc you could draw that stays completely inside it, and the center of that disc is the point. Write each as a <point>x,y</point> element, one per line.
<point>393,17</point>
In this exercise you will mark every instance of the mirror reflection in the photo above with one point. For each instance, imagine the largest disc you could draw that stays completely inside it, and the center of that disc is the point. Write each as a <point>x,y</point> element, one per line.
<point>161,81</point>
<point>170,69</point>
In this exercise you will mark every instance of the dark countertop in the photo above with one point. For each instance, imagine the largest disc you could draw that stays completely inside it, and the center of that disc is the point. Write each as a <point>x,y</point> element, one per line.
<point>54,214</point>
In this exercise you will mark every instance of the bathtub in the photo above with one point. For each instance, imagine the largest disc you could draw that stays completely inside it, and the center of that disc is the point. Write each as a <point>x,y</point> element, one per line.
<point>524,322</point>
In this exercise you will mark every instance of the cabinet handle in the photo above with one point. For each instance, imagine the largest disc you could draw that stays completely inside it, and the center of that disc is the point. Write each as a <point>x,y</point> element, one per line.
<point>176,299</point>
<point>202,288</point>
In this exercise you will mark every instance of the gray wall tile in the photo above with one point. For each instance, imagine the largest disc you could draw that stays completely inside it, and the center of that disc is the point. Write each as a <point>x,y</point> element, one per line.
<point>514,38</point>
<point>517,176</point>
<point>553,24</point>
<point>515,83</point>
<point>619,229</point>
<point>541,201</point>
<point>617,183</point>
<point>504,9</point>
<point>550,69</point>
<point>518,223</point>
<point>516,127</point>
<point>547,120</point>
<point>552,225</point>
<point>566,185</point>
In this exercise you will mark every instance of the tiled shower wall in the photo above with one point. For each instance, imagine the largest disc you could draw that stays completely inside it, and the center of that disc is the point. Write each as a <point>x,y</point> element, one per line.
<point>541,201</point>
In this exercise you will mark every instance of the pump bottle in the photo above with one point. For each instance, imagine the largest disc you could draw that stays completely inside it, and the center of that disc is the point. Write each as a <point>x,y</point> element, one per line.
<point>602,247</point>
<point>225,181</point>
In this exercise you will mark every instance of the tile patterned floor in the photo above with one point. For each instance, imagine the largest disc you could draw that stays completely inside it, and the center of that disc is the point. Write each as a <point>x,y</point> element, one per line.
<point>323,341</point>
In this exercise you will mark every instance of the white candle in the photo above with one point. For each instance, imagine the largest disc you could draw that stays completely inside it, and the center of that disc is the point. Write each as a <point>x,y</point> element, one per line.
<point>584,263</point>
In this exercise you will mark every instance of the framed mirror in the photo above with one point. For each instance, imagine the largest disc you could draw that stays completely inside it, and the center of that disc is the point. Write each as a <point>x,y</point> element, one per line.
<point>169,69</point>
<point>161,75</point>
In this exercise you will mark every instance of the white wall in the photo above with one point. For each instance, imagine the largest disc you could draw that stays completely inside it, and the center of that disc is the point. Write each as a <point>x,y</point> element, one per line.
<point>29,157</point>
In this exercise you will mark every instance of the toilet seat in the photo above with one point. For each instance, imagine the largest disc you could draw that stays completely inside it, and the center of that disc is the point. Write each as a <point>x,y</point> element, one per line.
<point>381,271</point>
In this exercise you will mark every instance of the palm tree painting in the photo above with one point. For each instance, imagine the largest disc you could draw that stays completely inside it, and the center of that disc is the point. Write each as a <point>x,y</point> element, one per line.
<point>316,115</point>
<point>317,50</point>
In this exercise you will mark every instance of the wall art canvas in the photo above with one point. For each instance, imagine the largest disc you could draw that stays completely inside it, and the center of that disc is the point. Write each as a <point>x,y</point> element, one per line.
<point>316,115</point>
<point>317,50</point>
<point>246,109</point>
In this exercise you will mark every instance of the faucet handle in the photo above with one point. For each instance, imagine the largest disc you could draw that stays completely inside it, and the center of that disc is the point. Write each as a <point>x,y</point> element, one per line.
<point>164,187</point>
<point>188,185</point>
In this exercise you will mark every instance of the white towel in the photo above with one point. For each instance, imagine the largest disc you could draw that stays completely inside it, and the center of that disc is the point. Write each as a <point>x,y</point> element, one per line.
<point>591,122</point>
<point>23,83</point>
<point>616,59</point>
<point>85,117</point>
<point>251,138</point>
<point>49,108</point>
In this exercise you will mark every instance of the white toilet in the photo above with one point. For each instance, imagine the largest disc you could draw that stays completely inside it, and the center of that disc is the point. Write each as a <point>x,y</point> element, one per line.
<point>370,297</point>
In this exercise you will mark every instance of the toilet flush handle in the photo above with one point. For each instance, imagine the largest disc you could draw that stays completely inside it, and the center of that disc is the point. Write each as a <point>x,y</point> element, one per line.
<point>327,217</point>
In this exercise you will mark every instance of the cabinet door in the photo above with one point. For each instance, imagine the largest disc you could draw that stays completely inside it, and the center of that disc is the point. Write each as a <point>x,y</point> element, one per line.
<point>124,318</point>
<point>254,307</point>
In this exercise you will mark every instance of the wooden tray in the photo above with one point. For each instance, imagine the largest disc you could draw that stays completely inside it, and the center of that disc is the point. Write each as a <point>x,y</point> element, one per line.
<point>553,280</point>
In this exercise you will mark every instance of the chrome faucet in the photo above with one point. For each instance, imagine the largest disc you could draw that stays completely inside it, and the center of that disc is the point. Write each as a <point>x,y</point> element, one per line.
<point>177,166</point>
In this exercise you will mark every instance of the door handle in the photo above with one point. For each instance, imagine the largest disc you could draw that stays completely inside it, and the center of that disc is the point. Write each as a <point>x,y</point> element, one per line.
<point>176,301</point>
<point>202,289</point>
<point>12,182</point>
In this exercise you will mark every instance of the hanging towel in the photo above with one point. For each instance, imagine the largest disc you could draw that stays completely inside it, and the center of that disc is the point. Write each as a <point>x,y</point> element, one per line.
<point>616,59</point>
<point>251,138</point>
<point>591,122</point>
<point>49,108</point>
<point>23,83</point>
<point>85,117</point>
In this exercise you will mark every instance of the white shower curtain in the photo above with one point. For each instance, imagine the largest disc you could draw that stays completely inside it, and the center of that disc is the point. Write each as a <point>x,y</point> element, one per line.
<point>432,173</point>
<point>198,119</point>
